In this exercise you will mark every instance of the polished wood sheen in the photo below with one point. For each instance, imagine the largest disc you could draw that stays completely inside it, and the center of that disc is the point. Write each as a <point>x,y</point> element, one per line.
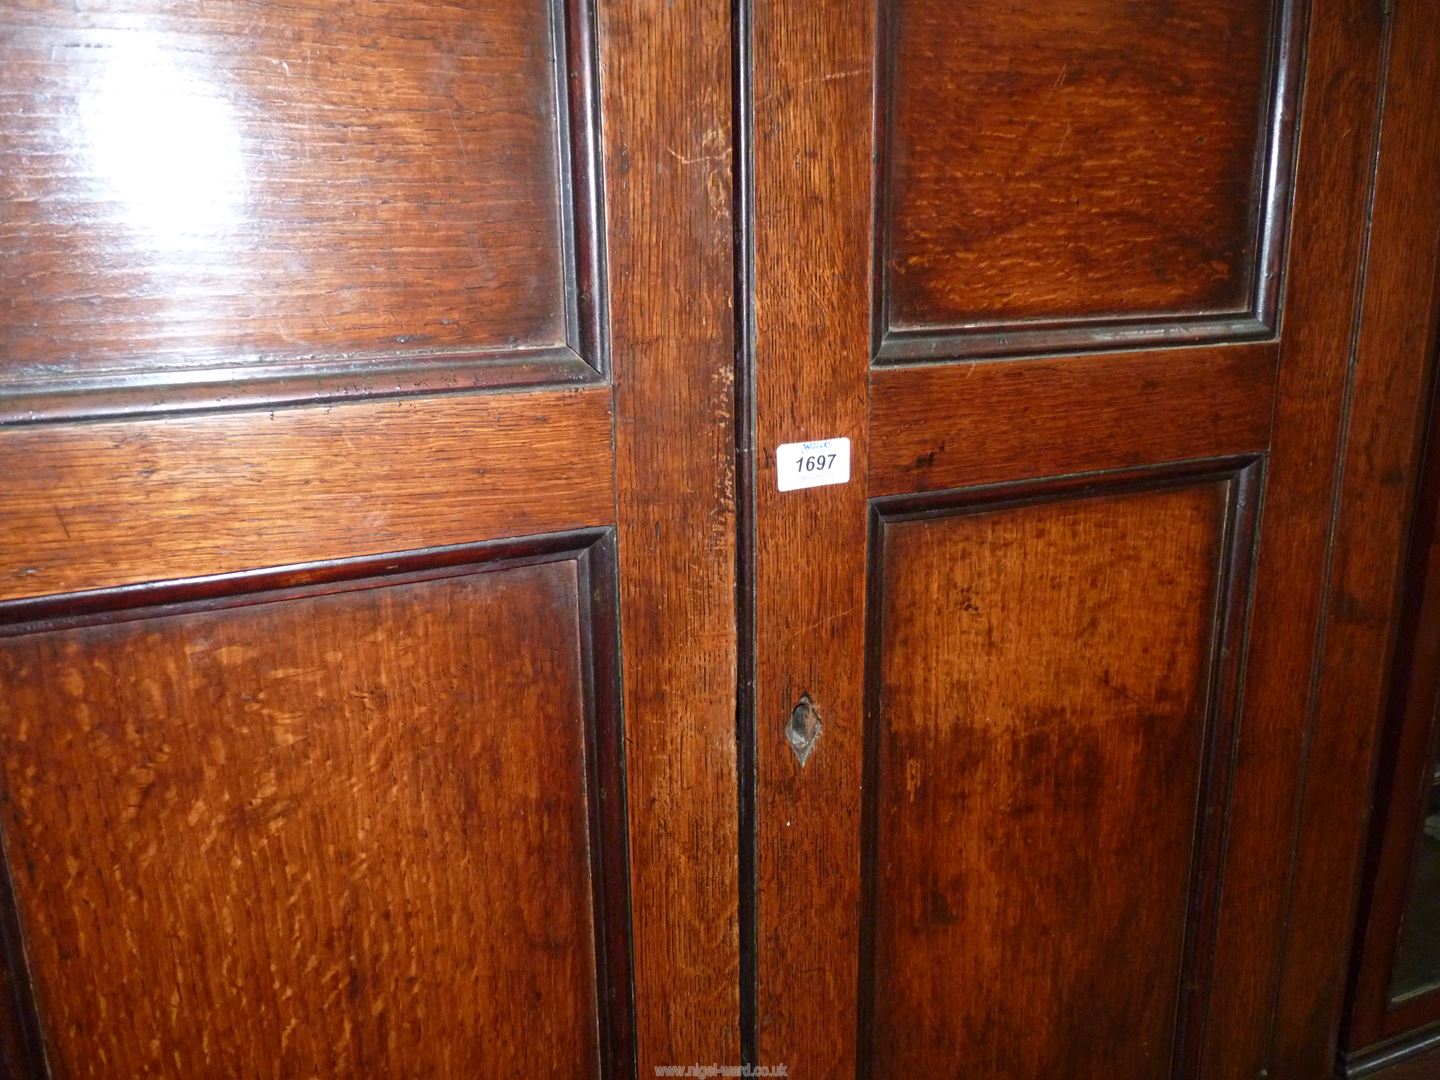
<point>403,202</point>
<point>1387,457</point>
<point>1053,165</point>
<point>249,191</point>
<point>121,502</point>
<point>400,620</point>
<point>1117,215</point>
<point>1390,938</point>
<point>1415,1057</point>
<point>955,425</point>
<point>811,99</point>
<point>1038,744</point>
<point>343,829</point>
<point>1332,188</point>
<point>668,114</point>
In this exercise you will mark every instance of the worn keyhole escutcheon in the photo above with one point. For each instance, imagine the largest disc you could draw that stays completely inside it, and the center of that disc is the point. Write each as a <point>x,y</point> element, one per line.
<point>803,729</point>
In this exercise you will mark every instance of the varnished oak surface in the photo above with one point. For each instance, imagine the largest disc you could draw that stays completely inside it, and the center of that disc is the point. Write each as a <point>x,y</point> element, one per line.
<point>667,107</point>
<point>953,425</point>
<point>1332,177</point>
<point>1039,730</point>
<point>812,91</point>
<point>1392,481</point>
<point>471,124</point>
<point>1056,162</point>
<point>1201,99</point>
<point>430,175</point>
<point>341,833</point>
<point>246,185</point>
<point>96,505</point>
<point>1392,890</point>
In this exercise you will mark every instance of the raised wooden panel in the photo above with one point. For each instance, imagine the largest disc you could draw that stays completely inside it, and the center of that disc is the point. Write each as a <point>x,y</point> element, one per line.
<point>352,820</point>
<point>1063,174</point>
<point>1048,707</point>
<point>385,197</point>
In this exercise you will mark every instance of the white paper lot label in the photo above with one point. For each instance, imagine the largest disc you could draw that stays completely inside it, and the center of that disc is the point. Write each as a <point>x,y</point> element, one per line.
<point>813,464</point>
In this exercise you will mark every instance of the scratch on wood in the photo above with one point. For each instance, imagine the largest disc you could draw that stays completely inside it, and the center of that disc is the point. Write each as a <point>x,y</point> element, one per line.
<point>698,158</point>
<point>834,76</point>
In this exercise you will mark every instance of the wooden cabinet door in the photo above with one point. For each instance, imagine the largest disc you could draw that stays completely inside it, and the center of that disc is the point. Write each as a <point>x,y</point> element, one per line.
<point>367,464</point>
<point>1077,282</point>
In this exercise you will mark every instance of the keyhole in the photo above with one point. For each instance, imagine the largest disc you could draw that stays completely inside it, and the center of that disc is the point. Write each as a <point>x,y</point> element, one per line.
<point>803,729</point>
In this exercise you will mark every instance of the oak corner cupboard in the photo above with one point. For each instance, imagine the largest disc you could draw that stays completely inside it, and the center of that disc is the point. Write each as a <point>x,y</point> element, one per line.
<point>586,538</point>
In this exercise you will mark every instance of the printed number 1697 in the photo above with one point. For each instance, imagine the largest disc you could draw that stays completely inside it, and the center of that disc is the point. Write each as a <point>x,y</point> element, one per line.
<point>814,463</point>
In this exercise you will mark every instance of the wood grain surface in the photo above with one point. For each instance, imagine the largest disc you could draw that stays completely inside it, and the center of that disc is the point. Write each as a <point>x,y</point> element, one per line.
<point>812,90</point>
<point>667,82</point>
<point>246,184</point>
<point>336,833</point>
<point>1390,387</point>
<point>953,425</point>
<point>97,505</point>
<point>1332,187</point>
<point>1039,730</point>
<point>1054,161</point>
